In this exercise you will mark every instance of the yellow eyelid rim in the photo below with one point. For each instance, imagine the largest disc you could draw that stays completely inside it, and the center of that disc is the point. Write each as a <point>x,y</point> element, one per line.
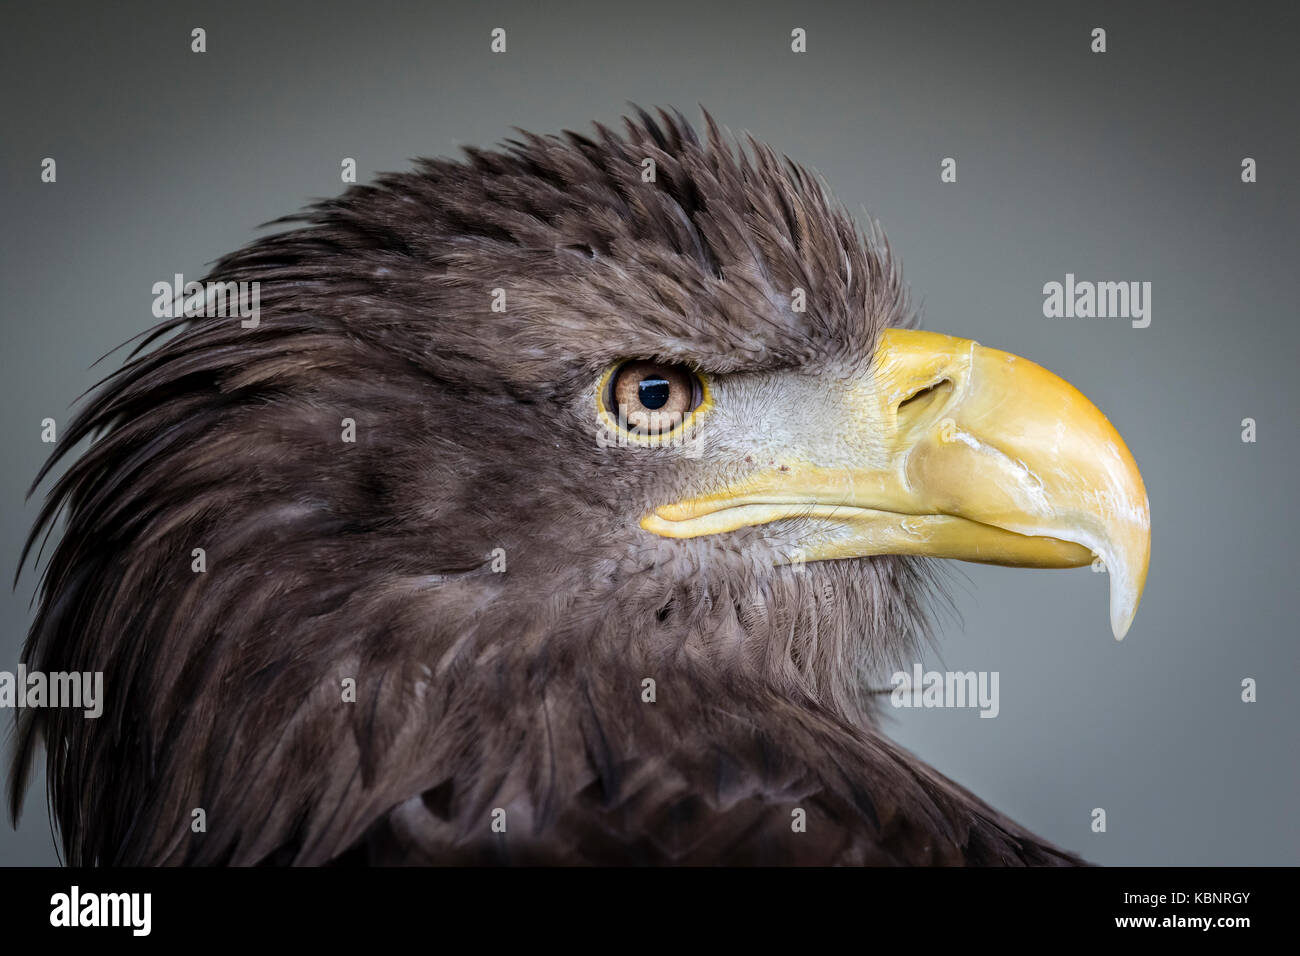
<point>602,389</point>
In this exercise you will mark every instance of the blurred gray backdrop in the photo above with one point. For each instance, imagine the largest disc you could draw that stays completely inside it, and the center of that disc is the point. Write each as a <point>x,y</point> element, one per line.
<point>1116,166</point>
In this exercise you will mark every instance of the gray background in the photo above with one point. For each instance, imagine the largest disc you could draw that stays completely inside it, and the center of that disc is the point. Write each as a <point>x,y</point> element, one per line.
<point>1123,166</point>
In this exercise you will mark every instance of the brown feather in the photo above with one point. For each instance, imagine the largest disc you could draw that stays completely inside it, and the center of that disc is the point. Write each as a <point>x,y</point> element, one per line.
<point>479,690</point>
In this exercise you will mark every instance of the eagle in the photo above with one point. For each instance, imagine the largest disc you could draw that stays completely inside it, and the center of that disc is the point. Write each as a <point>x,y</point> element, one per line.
<point>566,503</point>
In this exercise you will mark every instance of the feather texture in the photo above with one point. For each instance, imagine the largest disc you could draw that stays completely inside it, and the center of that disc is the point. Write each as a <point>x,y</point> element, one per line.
<point>476,690</point>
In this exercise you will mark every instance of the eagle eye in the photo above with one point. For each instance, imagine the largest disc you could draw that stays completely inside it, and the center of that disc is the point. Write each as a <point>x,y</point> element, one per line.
<point>653,397</point>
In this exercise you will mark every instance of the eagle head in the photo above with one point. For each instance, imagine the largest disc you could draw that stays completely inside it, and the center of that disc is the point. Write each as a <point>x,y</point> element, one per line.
<point>562,503</point>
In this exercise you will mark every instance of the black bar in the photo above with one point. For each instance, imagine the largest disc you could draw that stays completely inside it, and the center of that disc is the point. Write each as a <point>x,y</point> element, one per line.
<point>436,906</point>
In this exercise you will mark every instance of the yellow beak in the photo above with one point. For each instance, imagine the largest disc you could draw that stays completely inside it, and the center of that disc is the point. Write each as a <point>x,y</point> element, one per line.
<point>957,451</point>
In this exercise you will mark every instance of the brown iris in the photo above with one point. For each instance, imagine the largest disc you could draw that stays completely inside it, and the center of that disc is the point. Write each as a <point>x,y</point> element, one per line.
<point>653,397</point>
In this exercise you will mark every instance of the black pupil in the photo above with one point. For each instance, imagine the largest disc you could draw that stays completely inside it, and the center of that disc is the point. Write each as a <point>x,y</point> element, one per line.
<point>653,392</point>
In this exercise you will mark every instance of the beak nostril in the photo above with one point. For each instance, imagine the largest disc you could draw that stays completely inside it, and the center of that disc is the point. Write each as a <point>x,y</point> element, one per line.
<point>923,398</point>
